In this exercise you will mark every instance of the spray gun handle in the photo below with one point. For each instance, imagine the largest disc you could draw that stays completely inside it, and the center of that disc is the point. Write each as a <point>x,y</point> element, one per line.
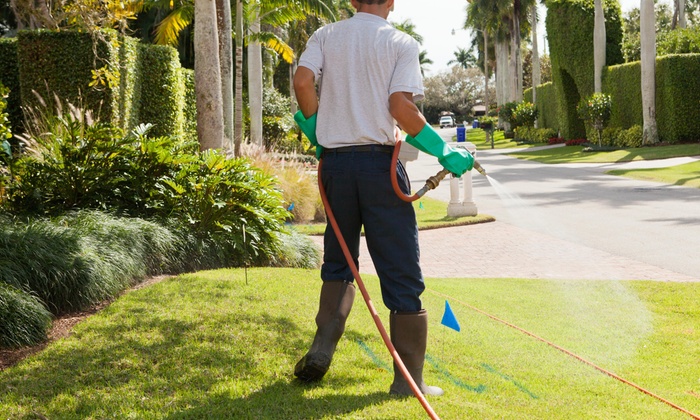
<point>432,182</point>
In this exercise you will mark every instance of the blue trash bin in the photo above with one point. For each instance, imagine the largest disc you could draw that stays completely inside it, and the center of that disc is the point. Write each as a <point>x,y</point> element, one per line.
<point>475,124</point>
<point>461,134</point>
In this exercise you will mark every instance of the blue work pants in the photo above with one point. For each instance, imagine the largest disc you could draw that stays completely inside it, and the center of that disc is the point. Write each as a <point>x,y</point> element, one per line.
<point>359,191</point>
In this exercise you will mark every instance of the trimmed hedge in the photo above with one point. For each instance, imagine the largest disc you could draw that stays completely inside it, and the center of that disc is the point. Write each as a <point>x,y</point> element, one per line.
<point>162,89</point>
<point>678,97</point>
<point>572,54</point>
<point>146,82</point>
<point>546,105</point>
<point>9,76</point>
<point>61,63</point>
<point>623,83</point>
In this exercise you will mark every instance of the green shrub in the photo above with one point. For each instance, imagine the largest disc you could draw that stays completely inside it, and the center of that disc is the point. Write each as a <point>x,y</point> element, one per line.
<point>525,114</point>
<point>679,41</point>
<point>534,135</point>
<point>632,137</point>
<point>505,113</point>
<point>595,110</point>
<point>23,319</point>
<point>5,128</point>
<point>278,124</point>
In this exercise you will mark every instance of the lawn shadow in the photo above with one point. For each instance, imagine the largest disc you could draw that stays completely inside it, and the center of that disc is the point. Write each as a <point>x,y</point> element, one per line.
<point>280,400</point>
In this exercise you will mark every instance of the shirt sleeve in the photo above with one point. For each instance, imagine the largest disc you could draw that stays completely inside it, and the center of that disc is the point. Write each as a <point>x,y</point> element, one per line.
<point>312,57</point>
<point>407,76</point>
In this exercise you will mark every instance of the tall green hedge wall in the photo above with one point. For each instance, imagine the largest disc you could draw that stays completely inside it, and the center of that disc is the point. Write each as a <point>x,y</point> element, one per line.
<point>572,54</point>
<point>678,97</point>
<point>162,89</point>
<point>61,63</point>
<point>546,105</point>
<point>148,85</point>
<point>9,76</point>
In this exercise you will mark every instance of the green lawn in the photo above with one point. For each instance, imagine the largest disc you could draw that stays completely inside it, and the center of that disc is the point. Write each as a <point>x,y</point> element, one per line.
<point>575,154</point>
<point>686,175</point>
<point>220,345</point>
<point>430,214</point>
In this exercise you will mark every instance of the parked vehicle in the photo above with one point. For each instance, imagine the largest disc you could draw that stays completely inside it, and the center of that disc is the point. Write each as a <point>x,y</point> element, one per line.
<point>447,121</point>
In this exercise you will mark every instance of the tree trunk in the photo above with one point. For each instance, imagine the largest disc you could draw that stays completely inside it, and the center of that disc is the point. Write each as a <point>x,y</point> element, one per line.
<point>238,105</point>
<point>207,77</point>
<point>536,75</point>
<point>292,95</point>
<point>502,69</point>
<point>225,32</point>
<point>681,14</point>
<point>598,46</point>
<point>486,72</point>
<point>648,62</point>
<point>516,57</point>
<point>255,88</point>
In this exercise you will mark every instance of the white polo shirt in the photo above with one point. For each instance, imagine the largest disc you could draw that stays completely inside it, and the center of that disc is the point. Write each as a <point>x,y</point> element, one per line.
<point>358,63</point>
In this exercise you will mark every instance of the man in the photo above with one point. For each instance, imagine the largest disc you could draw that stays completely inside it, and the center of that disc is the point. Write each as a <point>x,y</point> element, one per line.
<point>368,75</point>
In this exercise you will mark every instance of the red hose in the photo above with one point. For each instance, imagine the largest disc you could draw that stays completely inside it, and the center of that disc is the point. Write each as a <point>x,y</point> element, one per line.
<point>372,310</point>
<point>394,182</point>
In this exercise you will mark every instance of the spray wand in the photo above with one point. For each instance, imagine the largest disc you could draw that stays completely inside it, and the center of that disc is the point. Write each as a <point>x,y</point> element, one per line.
<point>430,184</point>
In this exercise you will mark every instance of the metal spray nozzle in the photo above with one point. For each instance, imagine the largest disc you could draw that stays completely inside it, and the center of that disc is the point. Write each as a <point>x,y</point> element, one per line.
<point>479,168</point>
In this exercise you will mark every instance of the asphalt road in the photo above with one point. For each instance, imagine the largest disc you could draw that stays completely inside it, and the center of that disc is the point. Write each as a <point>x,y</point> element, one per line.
<point>656,224</point>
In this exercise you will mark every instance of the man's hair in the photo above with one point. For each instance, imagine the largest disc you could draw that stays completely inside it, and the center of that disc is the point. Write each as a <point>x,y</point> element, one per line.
<point>371,1</point>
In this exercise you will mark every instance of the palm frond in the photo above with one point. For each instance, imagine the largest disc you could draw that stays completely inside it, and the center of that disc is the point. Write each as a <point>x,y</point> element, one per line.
<point>168,30</point>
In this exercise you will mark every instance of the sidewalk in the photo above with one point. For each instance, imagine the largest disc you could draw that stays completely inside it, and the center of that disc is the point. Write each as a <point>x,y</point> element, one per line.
<point>501,250</point>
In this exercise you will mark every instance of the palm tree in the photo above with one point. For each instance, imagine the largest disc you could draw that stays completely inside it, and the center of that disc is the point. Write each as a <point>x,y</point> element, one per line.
<point>598,45</point>
<point>210,127</point>
<point>276,13</point>
<point>464,58</point>
<point>647,21</point>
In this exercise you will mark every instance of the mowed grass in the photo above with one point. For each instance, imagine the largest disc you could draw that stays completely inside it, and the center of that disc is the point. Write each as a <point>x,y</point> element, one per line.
<point>430,214</point>
<point>575,154</point>
<point>686,175</point>
<point>222,345</point>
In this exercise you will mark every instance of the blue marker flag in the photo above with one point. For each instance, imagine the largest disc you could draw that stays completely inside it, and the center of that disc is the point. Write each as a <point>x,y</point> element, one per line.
<point>448,319</point>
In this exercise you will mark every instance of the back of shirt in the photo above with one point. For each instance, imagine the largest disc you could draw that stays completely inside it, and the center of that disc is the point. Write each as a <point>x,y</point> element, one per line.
<point>359,63</point>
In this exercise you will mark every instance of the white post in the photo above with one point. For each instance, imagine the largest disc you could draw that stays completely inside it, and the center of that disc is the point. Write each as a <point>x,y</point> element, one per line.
<point>465,207</point>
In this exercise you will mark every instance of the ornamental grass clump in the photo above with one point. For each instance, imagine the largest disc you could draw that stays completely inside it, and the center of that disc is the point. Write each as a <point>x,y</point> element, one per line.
<point>81,259</point>
<point>595,111</point>
<point>23,319</point>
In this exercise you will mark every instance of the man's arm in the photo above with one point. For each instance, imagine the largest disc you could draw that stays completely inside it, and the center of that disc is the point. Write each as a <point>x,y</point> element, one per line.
<point>406,113</point>
<point>305,90</point>
<point>423,137</point>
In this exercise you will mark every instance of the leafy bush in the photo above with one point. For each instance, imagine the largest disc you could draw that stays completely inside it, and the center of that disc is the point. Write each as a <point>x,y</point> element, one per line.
<point>533,135</point>
<point>680,41</point>
<point>23,319</point>
<point>487,123</point>
<point>278,123</point>
<point>632,137</point>
<point>595,110</point>
<point>5,131</point>
<point>505,113</point>
<point>525,114</point>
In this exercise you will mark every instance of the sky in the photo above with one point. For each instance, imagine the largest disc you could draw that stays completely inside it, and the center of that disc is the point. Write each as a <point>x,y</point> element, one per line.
<point>439,22</point>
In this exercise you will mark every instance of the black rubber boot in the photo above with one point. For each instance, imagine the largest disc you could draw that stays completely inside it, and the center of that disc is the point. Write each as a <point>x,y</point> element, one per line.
<point>409,333</point>
<point>334,308</point>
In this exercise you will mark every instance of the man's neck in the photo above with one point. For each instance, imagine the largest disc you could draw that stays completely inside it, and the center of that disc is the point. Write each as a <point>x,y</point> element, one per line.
<point>380,10</point>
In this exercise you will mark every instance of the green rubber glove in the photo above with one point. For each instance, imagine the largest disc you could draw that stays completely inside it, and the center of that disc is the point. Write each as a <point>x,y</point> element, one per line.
<point>454,159</point>
<point>308,127</point>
